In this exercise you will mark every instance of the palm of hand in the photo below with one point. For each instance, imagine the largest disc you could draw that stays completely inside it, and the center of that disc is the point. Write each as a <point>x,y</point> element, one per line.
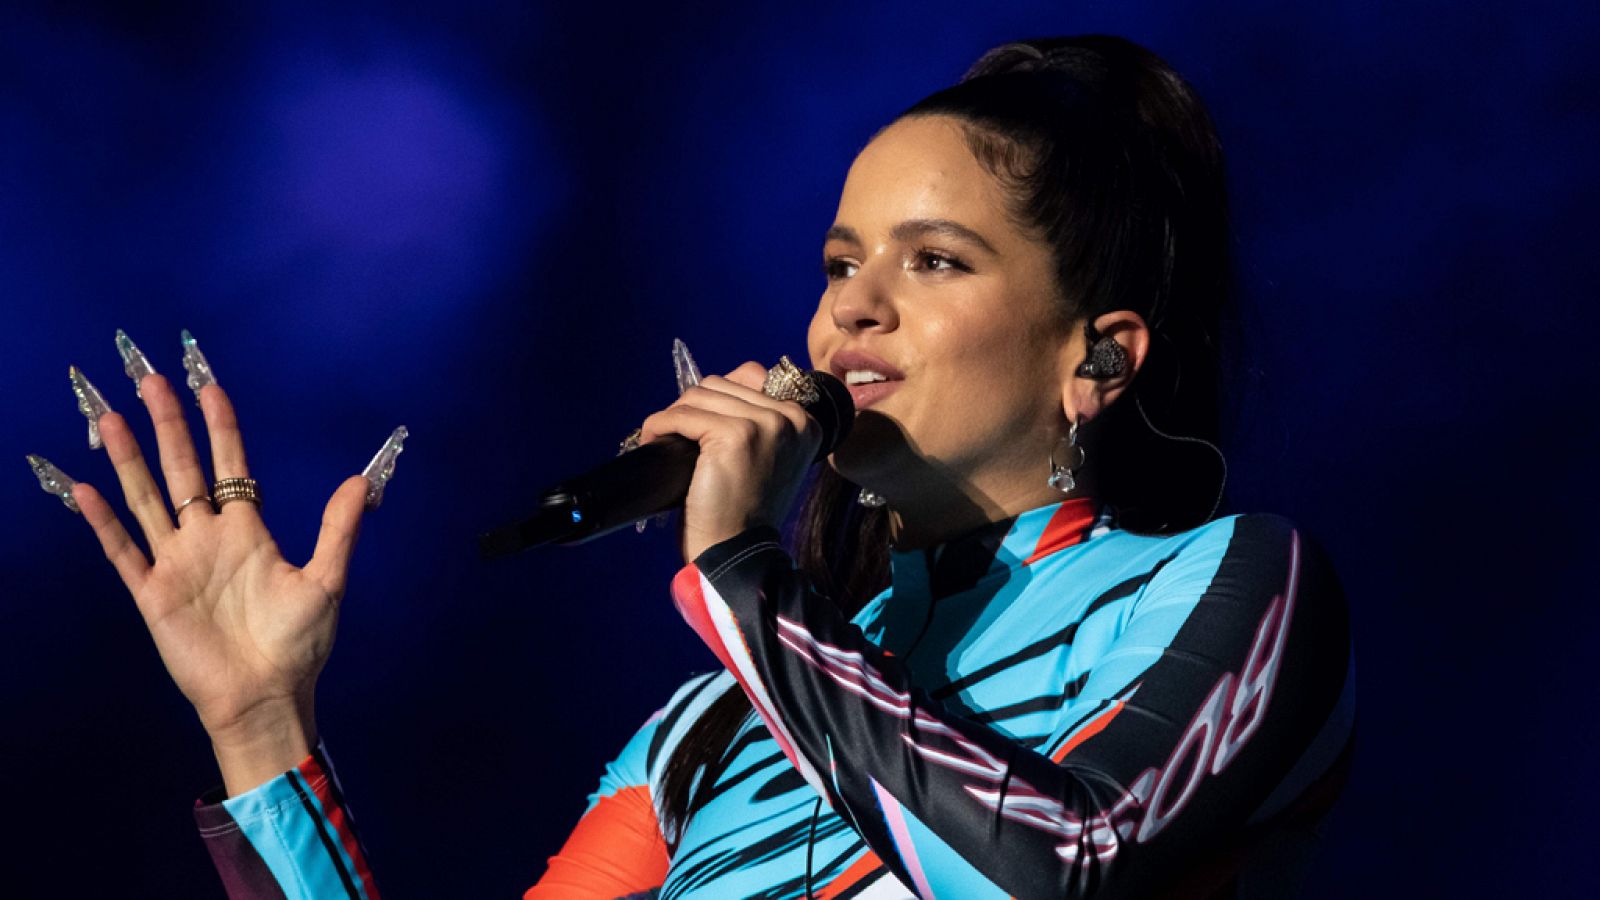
<point>237,625</point>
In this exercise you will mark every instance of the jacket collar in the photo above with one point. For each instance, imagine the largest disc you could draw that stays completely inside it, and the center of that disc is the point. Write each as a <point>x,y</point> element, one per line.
<point>1002,546</point>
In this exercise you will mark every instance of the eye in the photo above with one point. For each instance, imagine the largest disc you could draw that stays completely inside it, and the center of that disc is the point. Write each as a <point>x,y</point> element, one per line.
<point>836,268</point>
<point>939,261</point>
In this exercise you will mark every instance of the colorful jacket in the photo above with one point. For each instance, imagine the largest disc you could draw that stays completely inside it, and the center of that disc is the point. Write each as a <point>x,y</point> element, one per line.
<point>1050,706</point>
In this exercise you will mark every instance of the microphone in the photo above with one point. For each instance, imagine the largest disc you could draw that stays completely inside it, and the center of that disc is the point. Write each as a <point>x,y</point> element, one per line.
<point>643,482</point>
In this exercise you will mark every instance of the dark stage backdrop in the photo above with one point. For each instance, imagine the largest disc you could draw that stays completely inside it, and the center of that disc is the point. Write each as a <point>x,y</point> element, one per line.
<point>488,221</point>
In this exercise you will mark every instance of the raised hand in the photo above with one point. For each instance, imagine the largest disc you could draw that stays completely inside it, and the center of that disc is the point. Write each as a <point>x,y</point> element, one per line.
<point>243,632</point>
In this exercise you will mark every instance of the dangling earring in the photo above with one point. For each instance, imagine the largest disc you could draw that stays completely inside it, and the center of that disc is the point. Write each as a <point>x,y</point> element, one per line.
<point>869,499</point>
<point>1064,478</point>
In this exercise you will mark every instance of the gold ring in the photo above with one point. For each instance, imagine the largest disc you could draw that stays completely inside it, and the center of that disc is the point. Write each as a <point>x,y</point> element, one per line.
<point>786,381</point>
<point>178,510</point>
<point>227,490</point>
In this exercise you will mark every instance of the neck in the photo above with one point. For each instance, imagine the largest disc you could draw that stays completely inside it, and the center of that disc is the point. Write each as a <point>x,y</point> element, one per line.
<point>914,526</point>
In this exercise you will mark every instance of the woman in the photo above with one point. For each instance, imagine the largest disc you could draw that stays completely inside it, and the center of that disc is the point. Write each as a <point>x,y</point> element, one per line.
<point>1018,657</point>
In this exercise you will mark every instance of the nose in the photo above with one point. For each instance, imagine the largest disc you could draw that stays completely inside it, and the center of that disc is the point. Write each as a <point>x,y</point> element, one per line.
<point>863,302</point>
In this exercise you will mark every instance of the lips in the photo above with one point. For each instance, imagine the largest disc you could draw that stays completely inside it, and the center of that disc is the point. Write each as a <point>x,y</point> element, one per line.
<point>865,393</point>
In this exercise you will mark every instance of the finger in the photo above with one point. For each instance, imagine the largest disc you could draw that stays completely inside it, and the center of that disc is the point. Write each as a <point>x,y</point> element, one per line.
<point>752,375</point>
<point>227,446</point>
<point>144,499</point>
<point>336,541</point>
<point>179,462</point>
<point>724,398</point>
<point>125,555</point>
<point>222,426</point>
<point>790,410</point>
<point>695,423</point>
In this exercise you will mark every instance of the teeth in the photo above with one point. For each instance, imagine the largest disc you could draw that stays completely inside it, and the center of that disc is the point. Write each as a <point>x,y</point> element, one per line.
<point>863,377</point>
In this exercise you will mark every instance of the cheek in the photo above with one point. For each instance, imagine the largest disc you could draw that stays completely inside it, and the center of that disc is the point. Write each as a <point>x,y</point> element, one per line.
<point>990,378</point>
<point>817,333</point>
<point>971,352</point>
<point>957,366</point>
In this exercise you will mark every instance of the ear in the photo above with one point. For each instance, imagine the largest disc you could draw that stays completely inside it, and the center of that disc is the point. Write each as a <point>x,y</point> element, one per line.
<point>1086,397</point>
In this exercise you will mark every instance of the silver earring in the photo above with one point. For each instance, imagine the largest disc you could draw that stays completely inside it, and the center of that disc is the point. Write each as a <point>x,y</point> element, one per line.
<point>869,499</point>
<point>1064,478</point>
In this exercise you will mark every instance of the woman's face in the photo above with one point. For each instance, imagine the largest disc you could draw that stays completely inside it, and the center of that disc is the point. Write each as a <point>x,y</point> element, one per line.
<point>933,287</point>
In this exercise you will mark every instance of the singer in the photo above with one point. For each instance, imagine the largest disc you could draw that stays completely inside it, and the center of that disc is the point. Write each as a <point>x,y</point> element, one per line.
<point>1012,650</point>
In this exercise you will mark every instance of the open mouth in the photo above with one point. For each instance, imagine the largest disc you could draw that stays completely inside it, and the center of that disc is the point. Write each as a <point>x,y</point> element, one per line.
<point>868,378</point>
<point>868,386</point>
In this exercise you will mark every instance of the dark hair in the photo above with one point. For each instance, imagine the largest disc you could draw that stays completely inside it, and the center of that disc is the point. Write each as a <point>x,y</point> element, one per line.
<point>1111,158</point>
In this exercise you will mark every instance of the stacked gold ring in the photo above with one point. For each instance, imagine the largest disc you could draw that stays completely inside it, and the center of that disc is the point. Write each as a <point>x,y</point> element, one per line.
<point>227,490</point>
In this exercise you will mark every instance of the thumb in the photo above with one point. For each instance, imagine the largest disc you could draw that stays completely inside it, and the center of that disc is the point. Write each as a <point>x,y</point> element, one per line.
<point>341,523</point>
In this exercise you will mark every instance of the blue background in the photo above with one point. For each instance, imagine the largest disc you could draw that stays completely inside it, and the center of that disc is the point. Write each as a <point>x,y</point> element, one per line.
<point>487,222</point>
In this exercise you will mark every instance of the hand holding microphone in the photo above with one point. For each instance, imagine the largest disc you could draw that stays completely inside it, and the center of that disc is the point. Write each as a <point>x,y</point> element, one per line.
<point>732,451</point>
<point>755,450</point>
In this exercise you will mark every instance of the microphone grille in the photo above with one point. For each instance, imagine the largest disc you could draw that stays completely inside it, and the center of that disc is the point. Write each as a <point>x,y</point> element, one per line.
<point>832,409</point>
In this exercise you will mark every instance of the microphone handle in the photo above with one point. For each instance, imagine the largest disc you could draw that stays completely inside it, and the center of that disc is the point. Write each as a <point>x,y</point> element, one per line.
<point>643,482</point>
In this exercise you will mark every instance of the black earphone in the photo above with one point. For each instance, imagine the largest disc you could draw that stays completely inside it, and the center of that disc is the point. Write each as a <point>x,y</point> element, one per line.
<point>1106,358</point>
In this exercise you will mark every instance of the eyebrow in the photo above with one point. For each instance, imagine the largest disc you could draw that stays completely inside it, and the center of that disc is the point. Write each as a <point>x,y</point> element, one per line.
<point>912,229</point>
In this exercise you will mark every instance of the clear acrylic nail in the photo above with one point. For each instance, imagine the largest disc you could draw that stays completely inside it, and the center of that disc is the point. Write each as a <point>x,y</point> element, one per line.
<point>688,375</point>
<point>195,363</point>
<point>683,364</point>
<point>90,403</point>
<point>54,481</point>
<point>134,361</point>
<point>381,469</point>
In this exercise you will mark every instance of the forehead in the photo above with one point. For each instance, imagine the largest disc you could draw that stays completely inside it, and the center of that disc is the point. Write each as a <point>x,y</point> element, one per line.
<point>921,168</point>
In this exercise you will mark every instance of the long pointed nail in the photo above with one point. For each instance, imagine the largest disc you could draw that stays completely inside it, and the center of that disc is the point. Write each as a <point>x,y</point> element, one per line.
<point>381,469</point>
<point>54,481</point>
<point>133,361</point>
<point>683,364</point>
<point>194,362</point>
<point>90,403</point>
